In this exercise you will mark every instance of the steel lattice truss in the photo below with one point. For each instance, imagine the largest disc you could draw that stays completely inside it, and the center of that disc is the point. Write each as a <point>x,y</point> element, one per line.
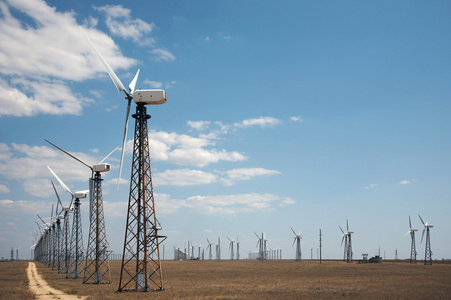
<point>97,265</point>
<point>59,250</point>
<point>413,250</point>
<point>141,269</point>
<point>349,250</point>
<point>76,244</point>
<point>428,251</point>
<point>65,242</point>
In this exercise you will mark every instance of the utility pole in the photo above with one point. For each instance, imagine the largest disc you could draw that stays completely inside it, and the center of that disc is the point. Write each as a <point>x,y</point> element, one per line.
<point>320,245</point>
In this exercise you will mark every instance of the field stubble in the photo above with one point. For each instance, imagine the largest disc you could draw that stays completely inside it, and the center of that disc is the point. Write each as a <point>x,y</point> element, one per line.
<point>286,279</point>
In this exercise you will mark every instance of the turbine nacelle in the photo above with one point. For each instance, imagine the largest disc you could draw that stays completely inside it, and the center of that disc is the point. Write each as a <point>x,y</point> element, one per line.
<point>150,97</point>
<point>81,194</point>
<point>103,167</point>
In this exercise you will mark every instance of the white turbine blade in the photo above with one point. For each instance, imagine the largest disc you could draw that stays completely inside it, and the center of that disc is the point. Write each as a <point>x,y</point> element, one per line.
<point>124,141</point>
<point>423,234</point>
<point>108,155</point>
<point>294,240</point>
<point>293,231</point>
<point>117,82</point>
<point>341,229</point>
<point>132,85</point>
<point>422,220</point>
<point>410,224</point>
<point>408,232</point>
<point>61,183</point>
<point>77,159</point>
<point>57,196</point>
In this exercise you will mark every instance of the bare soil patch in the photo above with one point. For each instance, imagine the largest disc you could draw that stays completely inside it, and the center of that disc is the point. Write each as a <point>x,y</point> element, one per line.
<point>42,290</point>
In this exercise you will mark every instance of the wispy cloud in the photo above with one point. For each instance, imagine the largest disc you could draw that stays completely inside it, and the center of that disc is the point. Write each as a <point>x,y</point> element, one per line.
<point>221,204</point>
<point>162,55</point>
<point>405,182</point>
<point>246,174</point>
<point>296,119</point>
<point>190,177</point>
<point>372,186</point>
<point>261,121</point>
<point>4,189</point>
<point>121,23</point>
<point>199,125</point>
<point>184,177</point>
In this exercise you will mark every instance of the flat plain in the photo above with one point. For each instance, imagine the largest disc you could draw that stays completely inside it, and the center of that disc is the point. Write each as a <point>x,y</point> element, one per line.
<point>249,279</point>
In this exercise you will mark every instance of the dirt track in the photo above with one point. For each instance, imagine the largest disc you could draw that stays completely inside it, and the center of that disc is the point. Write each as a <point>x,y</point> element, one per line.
<point>41,289</point>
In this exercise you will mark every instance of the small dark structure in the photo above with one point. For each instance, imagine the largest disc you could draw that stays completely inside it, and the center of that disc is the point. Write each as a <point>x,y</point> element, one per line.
<point>375,259</point>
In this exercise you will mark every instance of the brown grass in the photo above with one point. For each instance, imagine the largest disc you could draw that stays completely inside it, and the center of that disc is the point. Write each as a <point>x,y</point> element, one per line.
<point>285,279</point>
<point>14,280</point>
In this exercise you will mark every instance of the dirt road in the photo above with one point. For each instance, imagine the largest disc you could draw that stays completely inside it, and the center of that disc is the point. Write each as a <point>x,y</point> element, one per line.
<point>42,290</point>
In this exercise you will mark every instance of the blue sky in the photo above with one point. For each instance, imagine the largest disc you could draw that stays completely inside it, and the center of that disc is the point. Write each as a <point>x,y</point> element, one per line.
<point>294,114</point>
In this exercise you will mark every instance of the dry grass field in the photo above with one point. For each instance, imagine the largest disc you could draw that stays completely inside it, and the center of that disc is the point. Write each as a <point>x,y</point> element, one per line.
<point>247,279</point>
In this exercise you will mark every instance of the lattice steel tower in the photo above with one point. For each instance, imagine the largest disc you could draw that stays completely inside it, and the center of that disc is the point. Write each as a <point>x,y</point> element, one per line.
<point>76,244</point>
<point>141,266</point>
<point>427,251</point>
<point>97,268</point>
<point>413,250</point>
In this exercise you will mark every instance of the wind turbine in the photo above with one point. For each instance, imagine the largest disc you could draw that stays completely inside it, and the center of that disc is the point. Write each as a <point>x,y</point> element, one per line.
<point>218,249</point>
<point>74,255</point>
<point>142,240</point>
<point>209,249</point>
<point>237,249</point>
<point>65,231</point>
<point>348,244</point>
<point>413,250</point>
<point>97,266</point>
<point>231,248</point>
<point>427,251</point>
<point>261,246</point>
<point>297,239</point>
<point>59,232</point>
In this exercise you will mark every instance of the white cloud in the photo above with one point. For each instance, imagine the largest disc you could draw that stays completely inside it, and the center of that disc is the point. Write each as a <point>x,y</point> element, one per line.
<point>371,186</point>
<point>162,55</point>
<point>42,53</point>
<point>262,122</point>
<point>184,177</point>
<point>199,125</point>
<point>45,98</point>
<point>405,182</point>
<point>28,164</point>
<point>246,174</point>
<point>296,119</point>
<point>220,204</point>
<point>153,84</point>
<point>4,189</point>
<point>233,204</point>
<point>185,150</point>
<point>121,23</point>
<point>24,207</point>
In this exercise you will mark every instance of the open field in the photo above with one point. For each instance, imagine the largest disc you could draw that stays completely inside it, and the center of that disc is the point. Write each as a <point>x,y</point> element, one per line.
<point>247,279</point>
